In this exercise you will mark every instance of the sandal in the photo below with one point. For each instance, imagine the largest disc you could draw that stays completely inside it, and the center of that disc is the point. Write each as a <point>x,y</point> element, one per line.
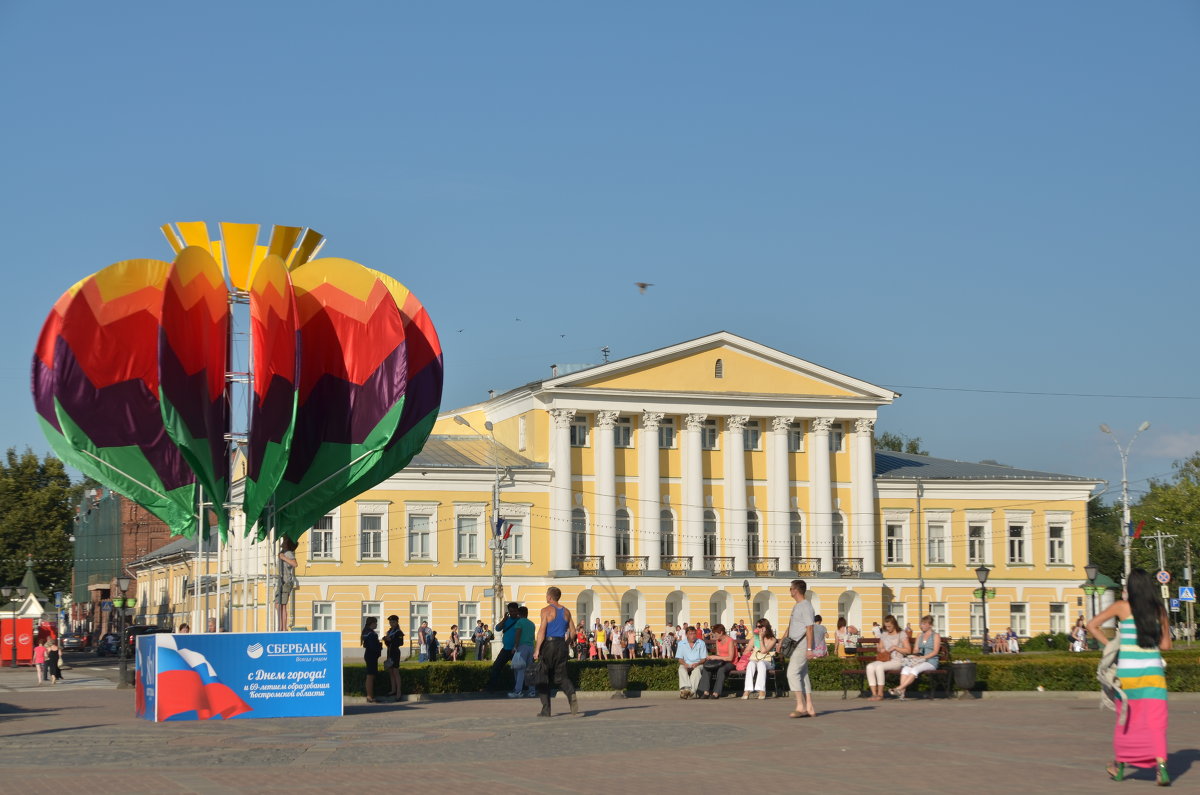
<point>797,714</point>
<point>1162,779</point>
<point>1116,771</point>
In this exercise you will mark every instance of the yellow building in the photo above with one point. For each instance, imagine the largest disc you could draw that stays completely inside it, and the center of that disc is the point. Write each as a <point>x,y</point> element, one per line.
<point>653,487</point>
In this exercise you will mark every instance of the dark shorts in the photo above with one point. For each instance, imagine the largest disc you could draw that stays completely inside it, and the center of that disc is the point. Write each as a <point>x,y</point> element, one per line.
<point>372,665</point>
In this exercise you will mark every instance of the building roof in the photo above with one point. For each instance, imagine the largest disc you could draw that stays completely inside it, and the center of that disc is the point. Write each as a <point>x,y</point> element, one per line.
<point>177,545</point>
<point>891,465</point>
<point>449,451</point>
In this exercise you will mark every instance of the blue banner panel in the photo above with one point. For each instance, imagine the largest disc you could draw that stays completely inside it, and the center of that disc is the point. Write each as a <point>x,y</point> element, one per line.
<point>239,675</point>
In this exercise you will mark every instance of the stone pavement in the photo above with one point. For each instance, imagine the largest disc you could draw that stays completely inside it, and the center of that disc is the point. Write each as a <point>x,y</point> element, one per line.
<point>54,739</point>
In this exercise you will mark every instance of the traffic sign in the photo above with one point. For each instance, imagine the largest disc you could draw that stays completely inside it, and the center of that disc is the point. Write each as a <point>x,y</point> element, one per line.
<point>1174,605</point>
<point>1166,592</point>
<point>1163,576</point>
<point>1187,593</point>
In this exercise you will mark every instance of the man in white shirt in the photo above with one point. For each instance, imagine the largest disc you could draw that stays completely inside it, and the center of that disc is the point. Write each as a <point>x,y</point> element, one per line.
<point>800,629</point>
<point>691,654</point>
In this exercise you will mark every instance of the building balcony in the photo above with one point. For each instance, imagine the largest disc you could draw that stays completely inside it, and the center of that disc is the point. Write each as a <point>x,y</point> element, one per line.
<point>848,567</point>
<point>633,564</point>
<point>806,567</point>
<point>764,567</point>
<point>587,564</point>
<point>719,566</point>
<point>677,565</point>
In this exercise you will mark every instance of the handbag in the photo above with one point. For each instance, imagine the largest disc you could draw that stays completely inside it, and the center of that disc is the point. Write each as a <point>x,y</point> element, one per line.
<point>518,663</point>
<point>788,646</point>
<point>883,656</point>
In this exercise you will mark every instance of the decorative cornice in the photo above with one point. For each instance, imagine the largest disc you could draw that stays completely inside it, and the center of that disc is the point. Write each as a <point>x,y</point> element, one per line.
<point>821,425</point>
<point>651,420</point>
<point>736,423</point>
<point>782,424</point>
<point>606,420</point>
<point>864,426</point>
<point>562,417</point>
<point>694,422</point>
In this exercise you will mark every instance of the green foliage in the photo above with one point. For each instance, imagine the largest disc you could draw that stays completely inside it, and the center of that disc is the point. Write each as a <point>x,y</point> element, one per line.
<point>1104,539</point>
<point>900,443</point>
<point>35,520</point>
<point>1048,641</point>
<point>1177,503</point>
<point>963,644</point>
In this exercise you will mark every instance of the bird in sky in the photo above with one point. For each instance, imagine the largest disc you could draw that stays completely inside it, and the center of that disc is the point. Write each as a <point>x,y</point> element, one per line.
<point>642,286</point>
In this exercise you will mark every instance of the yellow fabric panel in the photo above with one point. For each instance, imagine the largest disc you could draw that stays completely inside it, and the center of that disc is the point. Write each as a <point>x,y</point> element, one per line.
<point>195,233</point>
<point>282,240</point>
<point>239,240</point>
<point>310,244</point>
<point>1134,682</point>
<point>172,238</point>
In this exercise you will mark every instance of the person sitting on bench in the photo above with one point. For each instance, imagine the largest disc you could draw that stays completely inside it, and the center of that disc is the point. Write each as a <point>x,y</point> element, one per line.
<point>929,646</point>
<point>718,664</point>
<point>895,644</point>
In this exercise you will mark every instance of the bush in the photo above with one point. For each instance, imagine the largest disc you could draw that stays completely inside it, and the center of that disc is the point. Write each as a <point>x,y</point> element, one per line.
<point>1048,641</point>
<point>1060,670</point>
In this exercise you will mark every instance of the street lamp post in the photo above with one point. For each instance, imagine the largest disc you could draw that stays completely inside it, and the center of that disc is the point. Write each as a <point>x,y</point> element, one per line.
<point>123,584</point>
<point>981,574</point>
<point>1091,570</point>
<point>494,541</point>
<point>1125,520</point>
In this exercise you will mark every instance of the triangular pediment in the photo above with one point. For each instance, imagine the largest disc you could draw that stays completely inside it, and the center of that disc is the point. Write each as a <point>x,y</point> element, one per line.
<point>745,367</point>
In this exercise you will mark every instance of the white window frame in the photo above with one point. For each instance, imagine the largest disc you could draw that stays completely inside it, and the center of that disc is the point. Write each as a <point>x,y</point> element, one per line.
<point>715,535</point>
<point>468,614</point>
<point>428,511</point>
<point>1059,621</point>
<point>380,510</point>
<point>943,544</point>
<point>578,431</point>
<point>369,610</point>
<point>468,533</point>
<point>331,547</point>
<point>977,618</point>
<point>324,617</point>
<point>579,514</point>
<point>753,539</point>
<point>899,611</point>
<point>841,543</point>
<point>837,437</point>
<point>418,612</point>
<point>1024,522</point>
<point>795,518</point>
<point>897,556</point>
<point>1059,519</point>
<point>516,548</point>
<point>983,518</point>
<point>667,433</point>
<point>796,437</point>
<point>710,435</point>
<point>941,618</point>
<point>666,538</point>
<point>623,530</point>
<point>623,433</point>
<point>752,436</point>
<point>521,423</point>
<point>1018,619</point>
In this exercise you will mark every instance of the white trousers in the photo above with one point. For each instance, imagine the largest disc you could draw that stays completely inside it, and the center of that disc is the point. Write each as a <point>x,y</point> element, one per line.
<point>690,680</point>
<point>919,668</point>
<point>877,671</point>
<point>756,676</point>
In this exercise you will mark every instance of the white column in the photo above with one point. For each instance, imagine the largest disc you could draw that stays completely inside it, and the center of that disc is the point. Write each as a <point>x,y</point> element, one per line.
<point>863,490</point>
<point>560,498</point>
<point>735,491</point>
<point>779,508</point>
<point>649,543</point>
<point>693,490</point>
<point>820,492</point>
<point>605,521</point>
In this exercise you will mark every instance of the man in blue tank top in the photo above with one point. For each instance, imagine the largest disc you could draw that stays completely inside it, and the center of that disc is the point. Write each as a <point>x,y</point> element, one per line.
<point>550,649</point>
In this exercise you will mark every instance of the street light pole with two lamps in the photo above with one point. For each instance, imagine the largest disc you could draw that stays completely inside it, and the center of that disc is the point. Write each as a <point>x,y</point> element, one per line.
<point>495,542</point>
<point>1125,520</point>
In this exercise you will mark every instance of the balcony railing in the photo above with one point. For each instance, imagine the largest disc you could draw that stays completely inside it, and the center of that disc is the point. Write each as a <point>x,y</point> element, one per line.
<point>677,565</point>
<point>848,567</point>
<point>806,567</point>
<point>633,564</point>
<point>587,564</point>
<point>719,566</point>
<point>764,567</point>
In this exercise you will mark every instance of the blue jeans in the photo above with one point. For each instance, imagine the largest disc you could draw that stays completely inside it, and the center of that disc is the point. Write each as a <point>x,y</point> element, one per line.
<point>525,653</point>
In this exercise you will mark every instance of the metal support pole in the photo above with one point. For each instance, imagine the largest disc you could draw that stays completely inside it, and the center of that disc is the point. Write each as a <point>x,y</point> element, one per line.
<point>1125,520</point>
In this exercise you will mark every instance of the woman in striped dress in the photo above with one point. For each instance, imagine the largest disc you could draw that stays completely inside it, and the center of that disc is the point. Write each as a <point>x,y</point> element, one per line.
<point>1140,736</point>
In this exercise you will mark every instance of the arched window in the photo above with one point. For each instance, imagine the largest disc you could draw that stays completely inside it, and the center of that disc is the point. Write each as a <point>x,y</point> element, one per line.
<point>623,542</point>
<point>719,369</point>
<point>578,532</point>
<point>666,533</point>
<point>796,534</point>
<point>753,546</point>
<point>839,536</point>
<point>710,534</point>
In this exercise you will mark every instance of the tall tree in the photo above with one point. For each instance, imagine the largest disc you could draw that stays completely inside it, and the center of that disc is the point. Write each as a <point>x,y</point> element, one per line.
<point>1172,507</point>
<point>35,520</point>
<point>900,443</point>
<point>1104,538</point>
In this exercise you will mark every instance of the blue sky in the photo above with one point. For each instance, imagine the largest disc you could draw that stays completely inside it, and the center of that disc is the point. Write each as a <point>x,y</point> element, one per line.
<point>981,197</point>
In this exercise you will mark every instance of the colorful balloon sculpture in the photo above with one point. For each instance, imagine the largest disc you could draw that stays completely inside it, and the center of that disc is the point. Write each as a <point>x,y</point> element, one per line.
<point>131,369</point>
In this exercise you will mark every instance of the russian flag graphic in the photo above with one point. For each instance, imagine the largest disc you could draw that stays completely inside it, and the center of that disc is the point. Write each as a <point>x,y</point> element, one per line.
<point>188,684</point>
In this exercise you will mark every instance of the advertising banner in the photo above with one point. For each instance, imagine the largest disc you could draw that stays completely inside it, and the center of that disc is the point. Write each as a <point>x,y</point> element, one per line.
<point>238,675</point>
<point>19,630</point>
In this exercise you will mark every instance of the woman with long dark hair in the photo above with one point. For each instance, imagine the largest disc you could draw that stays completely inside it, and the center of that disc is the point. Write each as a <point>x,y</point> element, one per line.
<point>372,648</point>
<point>1140,736</point>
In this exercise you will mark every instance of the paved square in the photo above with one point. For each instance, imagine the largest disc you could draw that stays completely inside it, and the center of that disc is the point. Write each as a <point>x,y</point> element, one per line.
<point>1030,743</point>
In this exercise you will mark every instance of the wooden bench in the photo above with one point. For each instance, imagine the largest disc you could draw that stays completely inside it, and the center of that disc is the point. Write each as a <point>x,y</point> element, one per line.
<point>868,650</point>
<point>775,677</point>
